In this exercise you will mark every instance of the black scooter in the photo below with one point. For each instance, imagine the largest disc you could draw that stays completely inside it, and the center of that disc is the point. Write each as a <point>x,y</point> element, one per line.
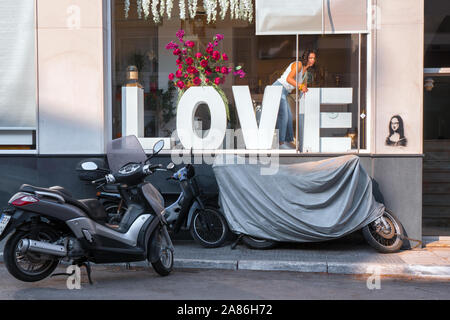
<point>191,211</point>
<point>48,224</point>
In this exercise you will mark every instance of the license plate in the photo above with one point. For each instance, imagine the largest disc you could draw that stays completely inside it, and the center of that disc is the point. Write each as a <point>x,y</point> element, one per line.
<point>4,220</point>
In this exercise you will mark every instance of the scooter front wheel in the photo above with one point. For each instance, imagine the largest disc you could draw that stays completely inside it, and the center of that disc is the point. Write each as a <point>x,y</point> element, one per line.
<point>164,264</point>
<point>385,234</point>
<point>209,228</point>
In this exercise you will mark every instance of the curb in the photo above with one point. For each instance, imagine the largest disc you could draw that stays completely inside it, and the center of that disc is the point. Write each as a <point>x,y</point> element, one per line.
<point>352,268</point>
<point>402,270</point>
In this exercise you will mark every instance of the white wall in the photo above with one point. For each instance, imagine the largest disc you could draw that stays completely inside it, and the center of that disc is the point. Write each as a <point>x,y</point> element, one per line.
<point>71,76</point>
<point>399,72</point>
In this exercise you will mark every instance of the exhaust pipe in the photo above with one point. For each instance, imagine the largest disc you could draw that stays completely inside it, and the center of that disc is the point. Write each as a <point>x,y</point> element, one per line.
<point>27,245</point>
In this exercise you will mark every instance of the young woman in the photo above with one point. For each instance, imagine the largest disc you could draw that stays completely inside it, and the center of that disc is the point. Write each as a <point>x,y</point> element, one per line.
<point>294,75</point>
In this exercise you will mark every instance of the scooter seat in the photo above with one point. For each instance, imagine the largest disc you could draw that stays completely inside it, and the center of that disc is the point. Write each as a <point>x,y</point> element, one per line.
<point>55,189</point>
<point>92,207</point>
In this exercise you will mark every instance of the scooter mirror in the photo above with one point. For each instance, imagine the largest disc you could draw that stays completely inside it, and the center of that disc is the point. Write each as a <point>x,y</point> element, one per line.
<point>91,166</point>
<point>170,166</point>
<point>158,146</point>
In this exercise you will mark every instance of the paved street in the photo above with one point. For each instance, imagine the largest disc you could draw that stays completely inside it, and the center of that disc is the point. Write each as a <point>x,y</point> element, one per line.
<point>195,284</point>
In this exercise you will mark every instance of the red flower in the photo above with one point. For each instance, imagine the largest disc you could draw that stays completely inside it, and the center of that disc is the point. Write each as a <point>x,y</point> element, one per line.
<point>217,80</point>
<point>180,84</point>
<point>224,57</point>
<point>189,61</point>
<point>208,71</point>
<point>204,63</point>
<point>197,81</point>
<point>190,44</point>
<point>224,70</point>
<point>171,76</point>
<point>198,55</point>
<point>216,55</point>
<point>206,80</point>
<point>217,69</point>
<point>179,73</point>
<point>210,49</point>
<point>176,52</point>
<point>192,70</point>
<point>179,61</point>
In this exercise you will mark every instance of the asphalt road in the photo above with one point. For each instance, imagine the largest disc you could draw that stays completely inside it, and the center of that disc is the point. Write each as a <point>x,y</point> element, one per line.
<point>195,284</point>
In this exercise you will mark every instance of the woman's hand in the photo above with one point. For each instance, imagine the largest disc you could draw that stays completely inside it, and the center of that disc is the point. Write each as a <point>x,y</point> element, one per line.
<point>303,88</point>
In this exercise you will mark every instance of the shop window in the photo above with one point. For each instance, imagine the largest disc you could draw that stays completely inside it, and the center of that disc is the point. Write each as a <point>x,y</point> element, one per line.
<point>335,125</point>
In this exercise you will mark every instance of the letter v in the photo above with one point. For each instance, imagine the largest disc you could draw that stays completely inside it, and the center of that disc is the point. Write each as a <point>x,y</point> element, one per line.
<point>254,137</point>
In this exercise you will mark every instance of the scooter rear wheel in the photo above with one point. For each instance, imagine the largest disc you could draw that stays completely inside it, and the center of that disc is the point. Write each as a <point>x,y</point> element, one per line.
<point>30,267</point>
<point>256,243</point>
<point>385,234</point>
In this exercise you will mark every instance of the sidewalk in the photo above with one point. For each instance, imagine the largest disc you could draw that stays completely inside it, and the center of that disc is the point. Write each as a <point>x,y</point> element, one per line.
<point>335,257</point>
<point>340,257</point>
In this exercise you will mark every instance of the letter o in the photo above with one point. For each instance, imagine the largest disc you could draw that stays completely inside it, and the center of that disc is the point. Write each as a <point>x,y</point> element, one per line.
<point>187,106</point>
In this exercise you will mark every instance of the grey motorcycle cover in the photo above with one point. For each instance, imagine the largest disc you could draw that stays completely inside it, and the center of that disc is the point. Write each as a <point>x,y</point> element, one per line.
<point>302,202</point>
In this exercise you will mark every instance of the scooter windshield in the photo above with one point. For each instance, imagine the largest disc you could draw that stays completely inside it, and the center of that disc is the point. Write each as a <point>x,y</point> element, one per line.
<point>124,150</point>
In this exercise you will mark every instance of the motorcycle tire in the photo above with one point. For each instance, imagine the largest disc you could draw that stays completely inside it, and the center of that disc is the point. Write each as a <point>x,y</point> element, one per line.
<point>164,265</point>
<point>111,212</point>
<point>49,263</point>
<point>257,243</point>
<point>385,239</point>
<point>209,228</point>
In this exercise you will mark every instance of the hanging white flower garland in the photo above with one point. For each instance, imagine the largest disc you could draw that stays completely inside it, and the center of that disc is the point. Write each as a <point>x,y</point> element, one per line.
<point>182,5</point>
<point>139,9</point>
<point>162,7</point>
<point>155,11</point>
<point>169,7</point>
<point>146,8</point>
<point>192,4</point>
<point>127,8</point>
<point>224,4</point>
<point>239,9</point>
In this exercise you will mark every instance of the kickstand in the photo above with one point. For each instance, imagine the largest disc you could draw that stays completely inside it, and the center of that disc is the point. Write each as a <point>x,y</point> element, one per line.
<point>63,274</point>
<point>88,270</point>
<point>235,243</point>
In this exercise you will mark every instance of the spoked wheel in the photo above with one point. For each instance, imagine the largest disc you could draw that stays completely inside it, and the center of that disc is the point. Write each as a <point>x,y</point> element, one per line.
<point>385,234</point>
<point>257,243</point>
<point>30,267</point>
<point>114,212</point>
<point>209,228</point>
<point>164,265</point>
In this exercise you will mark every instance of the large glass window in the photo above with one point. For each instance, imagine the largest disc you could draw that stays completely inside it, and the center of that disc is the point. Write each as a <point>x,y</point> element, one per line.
<point>334,122</point>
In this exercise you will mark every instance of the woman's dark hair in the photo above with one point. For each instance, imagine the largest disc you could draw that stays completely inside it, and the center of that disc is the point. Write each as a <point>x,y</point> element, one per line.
<point>305,56</point>
<point>400,131</point>
<point>312,69</point>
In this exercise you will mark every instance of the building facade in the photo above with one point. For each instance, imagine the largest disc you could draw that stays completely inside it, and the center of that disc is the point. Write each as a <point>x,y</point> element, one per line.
<point>67,63</point>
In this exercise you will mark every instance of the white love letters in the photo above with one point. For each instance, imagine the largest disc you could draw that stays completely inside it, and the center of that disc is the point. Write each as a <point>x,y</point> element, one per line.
<point>254,137</point>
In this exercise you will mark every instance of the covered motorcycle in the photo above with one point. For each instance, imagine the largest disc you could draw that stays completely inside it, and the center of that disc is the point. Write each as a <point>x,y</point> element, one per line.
<point>304,202</point>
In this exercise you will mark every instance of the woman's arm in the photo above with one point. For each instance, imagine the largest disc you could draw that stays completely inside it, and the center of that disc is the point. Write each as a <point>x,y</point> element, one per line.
<point>292,75</point>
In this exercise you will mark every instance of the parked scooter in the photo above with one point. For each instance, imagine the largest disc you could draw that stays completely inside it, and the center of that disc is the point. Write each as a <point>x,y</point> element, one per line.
<point>206,224</point>
<point>48,224</point>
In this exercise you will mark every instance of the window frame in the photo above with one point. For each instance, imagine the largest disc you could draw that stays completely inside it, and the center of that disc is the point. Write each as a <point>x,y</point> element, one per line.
<point>147,141</point>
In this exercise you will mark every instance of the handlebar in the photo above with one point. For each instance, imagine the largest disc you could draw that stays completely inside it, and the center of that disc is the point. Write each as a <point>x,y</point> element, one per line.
<point>117,177</point>
<point>101,180</point>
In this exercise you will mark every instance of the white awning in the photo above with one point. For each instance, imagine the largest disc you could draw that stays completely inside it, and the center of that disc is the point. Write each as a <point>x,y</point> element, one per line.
<point>310,16</point>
